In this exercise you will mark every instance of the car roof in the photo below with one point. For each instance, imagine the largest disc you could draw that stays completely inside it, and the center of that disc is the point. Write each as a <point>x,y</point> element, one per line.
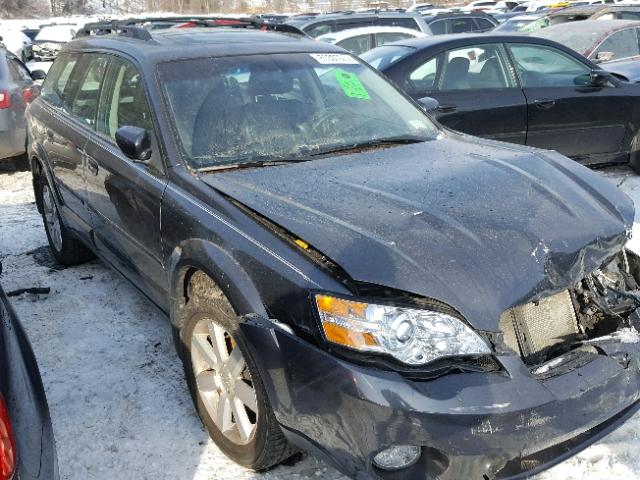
<point>593,27</point>
<point>454,39</point>
<point>302,22</point>
<point>429,18</point>
<point>173,44</point>
<point>352,32</point>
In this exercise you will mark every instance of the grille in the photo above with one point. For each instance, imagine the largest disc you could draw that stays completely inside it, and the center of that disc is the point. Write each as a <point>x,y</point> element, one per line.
<point>534,327</point>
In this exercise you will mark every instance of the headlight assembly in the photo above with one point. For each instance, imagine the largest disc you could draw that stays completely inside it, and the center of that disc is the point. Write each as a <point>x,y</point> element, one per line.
<point>412,336</point>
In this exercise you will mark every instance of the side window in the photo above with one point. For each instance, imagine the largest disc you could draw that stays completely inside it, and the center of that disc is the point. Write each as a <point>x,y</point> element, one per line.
<point>388,37</point>
<point>318,29</point>
<point>84,105</point>
<point>461,25</point>
<point>476,67</point>
<point>399,22</point>
<point>354,23</point>
<point>423,78</point>
<point>57,88</point>
<point>621,44</point>
<point>483,25</point>
<point>357,44</point>
<point>439,27</point>
<point>542,66</point>
<point>125,102</point>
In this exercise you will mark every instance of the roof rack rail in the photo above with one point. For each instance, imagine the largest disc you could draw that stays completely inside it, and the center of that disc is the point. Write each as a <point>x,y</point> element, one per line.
<point>212,21</point>
<point>114,27</point>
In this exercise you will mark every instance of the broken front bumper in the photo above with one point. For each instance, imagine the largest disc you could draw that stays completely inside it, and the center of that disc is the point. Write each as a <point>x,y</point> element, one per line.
<point>471,425</point>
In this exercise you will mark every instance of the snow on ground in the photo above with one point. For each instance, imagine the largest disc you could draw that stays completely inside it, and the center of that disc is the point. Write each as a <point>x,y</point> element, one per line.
<point>119,404</point>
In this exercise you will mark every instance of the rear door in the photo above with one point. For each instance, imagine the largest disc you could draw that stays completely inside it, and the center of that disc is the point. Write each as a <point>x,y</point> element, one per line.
<point>586,123</point>
<point>476,90</point>
<point>124,197</point>
<point>72,92</point>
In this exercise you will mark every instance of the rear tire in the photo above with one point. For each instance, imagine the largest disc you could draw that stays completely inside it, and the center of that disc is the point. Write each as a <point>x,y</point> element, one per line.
<point>241,425</point>
<point>66,249</point>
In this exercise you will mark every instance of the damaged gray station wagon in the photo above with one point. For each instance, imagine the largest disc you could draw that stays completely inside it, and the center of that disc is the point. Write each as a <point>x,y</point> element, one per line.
<point>343,275</point>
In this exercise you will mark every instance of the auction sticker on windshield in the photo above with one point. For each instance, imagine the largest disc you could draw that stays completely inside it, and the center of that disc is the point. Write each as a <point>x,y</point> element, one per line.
<point>351,85</point>
<point>334,59</point>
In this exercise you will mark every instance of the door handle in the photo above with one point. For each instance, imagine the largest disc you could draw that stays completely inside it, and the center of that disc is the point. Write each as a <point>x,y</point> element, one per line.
<point>92,166</point>
<point>544,103</point>
<point>448,108</point>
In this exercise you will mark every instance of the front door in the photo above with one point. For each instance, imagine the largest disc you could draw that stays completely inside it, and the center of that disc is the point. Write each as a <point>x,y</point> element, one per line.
<point>125,197</point>
<point>587,123</point>
<point>476,91</point>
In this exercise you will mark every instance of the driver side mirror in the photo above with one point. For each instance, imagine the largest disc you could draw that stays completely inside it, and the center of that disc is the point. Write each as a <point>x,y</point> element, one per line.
<point>429,104</point>
<point>38,75</point>
<point>595,78</point>
<point>134,143</point>
<point>604,56</point>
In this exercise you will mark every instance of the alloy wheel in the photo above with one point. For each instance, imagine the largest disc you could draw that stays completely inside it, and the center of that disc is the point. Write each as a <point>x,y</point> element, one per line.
<point>224,382</point>
<point>51,217</point>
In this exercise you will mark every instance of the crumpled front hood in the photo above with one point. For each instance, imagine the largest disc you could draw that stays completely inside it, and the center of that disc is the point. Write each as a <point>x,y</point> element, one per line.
<point>477,224</point>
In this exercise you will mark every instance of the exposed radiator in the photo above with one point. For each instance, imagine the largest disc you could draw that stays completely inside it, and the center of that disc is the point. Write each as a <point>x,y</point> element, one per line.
<point>531,328</point>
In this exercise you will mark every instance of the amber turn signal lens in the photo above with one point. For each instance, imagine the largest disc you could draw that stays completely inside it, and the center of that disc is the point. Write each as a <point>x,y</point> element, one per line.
<point>340,308</point>
<point>348,338</point>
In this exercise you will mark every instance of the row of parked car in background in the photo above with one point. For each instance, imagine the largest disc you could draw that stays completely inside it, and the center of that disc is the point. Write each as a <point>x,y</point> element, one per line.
<point>538,74</point>
<point>574,87</point>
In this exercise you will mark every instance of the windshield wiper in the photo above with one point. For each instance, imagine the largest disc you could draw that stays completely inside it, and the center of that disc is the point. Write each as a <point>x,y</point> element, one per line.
<point>271,162</point>
<point>378,142</point>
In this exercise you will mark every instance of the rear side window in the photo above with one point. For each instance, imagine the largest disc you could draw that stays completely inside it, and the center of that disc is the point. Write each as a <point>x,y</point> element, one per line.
<point>57,87</point>
<point>84,105</point>
<point>399,22</point>
<point>124,101</point>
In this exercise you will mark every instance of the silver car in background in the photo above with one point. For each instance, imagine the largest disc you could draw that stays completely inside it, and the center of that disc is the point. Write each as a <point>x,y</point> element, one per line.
<point>17,89</point>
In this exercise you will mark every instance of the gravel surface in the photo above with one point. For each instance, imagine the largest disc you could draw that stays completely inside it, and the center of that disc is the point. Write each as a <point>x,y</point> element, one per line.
<point>119,403</point>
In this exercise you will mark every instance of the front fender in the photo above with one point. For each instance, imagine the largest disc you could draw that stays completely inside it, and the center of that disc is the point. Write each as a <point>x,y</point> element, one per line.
<point>223,269</point>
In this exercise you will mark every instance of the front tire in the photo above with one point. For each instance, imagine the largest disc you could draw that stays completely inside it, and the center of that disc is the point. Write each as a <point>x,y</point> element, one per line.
<point>225,384</point>
<point>66,249</point>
